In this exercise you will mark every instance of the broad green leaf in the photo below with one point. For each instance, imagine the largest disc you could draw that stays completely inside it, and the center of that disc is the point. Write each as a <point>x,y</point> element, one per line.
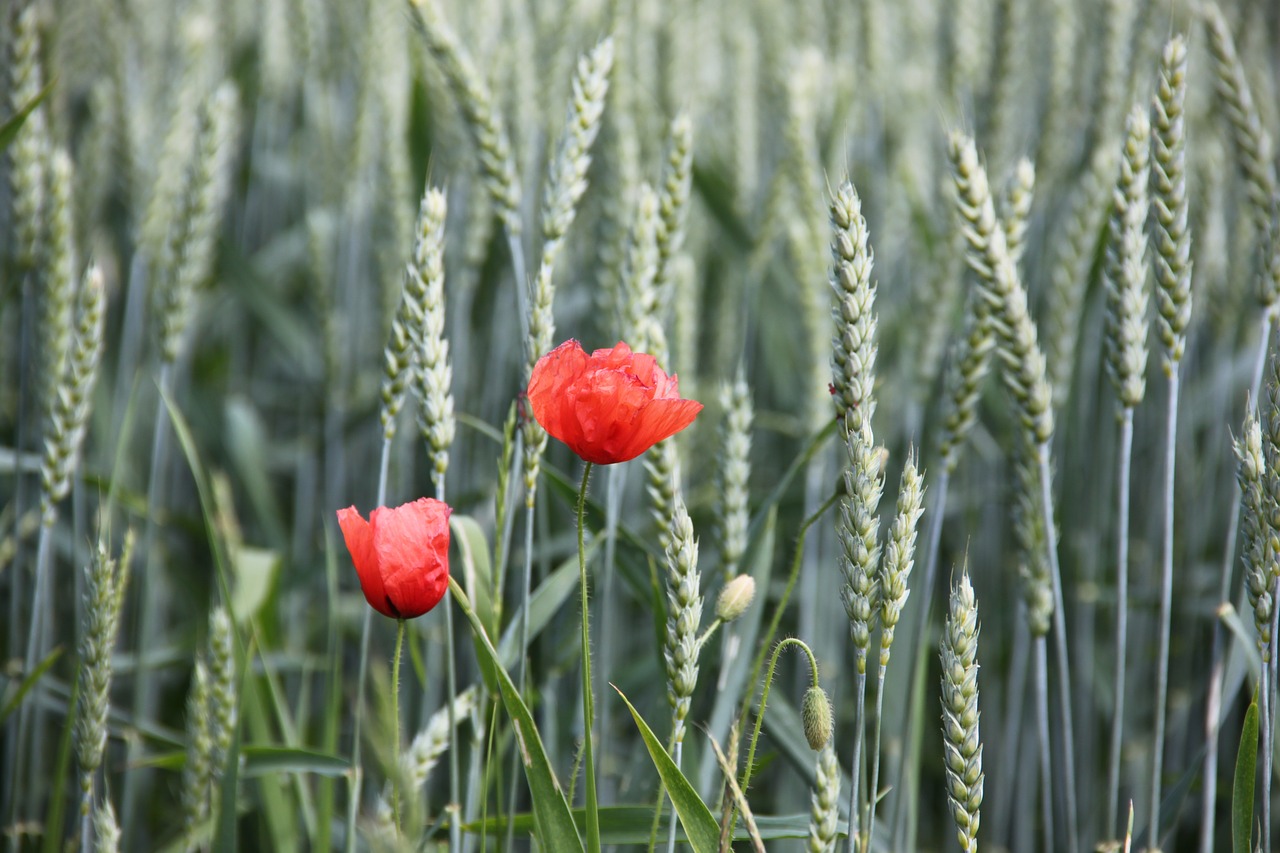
<point>477,568</point>
<point>1242,787</point>
<point>265,760</point>
<point>631,825</point>
<point>699,824</point>
<point>248,440</point>
<point>27,683</point>
<point>553,821</point>
<point>254,570</point>
<point>9,130</point>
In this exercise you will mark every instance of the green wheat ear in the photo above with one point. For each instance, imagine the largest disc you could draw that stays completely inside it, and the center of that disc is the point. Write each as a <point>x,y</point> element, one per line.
<point>684,602</point>
<point>853,359</point>
<point>433,376</point>
<point>960,715</point>
<point>483,121</point>
<point>825,806</point>
<point>734,473</point>
<point>1023,361</point>
<point>1171,236</point>
<point>1126,265</point>
<point>1252,143</point>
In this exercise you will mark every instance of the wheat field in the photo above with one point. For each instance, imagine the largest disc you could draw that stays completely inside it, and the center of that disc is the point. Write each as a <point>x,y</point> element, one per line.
<point>975,538</point>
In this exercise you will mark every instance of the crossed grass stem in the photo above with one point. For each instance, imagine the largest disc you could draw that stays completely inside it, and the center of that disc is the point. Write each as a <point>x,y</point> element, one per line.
<point>1213,701</point>
<point>898,820</point>
<point>144,692</point>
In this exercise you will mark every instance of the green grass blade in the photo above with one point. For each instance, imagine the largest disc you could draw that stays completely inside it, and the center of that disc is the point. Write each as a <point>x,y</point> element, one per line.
<point>553,821</point>
<point>57,802</point>
<point>699,824</point>
<point>30,681</point>
<point>1242,787</point>
<point>629,824</point>
<point>476,569</point>
<point>265,760</point>
<point>9,130</point>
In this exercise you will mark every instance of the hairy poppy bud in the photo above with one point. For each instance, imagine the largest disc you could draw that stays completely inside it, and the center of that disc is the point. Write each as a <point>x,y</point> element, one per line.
<point>735,597</point>
<point>815,714</point>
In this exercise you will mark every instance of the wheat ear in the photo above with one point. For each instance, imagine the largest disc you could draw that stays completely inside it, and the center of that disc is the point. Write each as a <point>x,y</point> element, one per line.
<point>1025,377</point>
<point>961,739</point>
<point>485,125</point>
<point>853,345</point>
<point>433,377</point>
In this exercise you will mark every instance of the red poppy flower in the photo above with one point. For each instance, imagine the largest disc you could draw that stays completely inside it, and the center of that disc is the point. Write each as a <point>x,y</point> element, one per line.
<point>401,555</point>
<point>610,406</point>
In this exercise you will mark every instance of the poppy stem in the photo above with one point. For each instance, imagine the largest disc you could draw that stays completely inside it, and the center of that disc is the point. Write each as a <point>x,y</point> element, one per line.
<point>395,724</point>
<point>764,698</point>
<point>588,710</point>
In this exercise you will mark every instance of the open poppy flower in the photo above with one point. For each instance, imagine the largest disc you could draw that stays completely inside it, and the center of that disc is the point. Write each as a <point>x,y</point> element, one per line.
<point>609,406</point>
<point>401,555</point>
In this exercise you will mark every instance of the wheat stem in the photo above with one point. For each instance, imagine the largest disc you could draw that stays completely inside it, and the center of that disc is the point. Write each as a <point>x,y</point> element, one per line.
<point>1122,615</point>
<point>1042,724</point>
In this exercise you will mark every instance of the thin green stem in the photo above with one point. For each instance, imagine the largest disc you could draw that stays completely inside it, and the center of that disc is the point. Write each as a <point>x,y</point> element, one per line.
<point>873,791</point>
<point>1269,730</point>
<point>10,806</point>
<point>522,292</point>
<point>395,723</point>
<point>764,700</point>
<point>614,481</point>
<point>357,770</point>
<point>145,693</point>
<point>86,816</point>
<point>786,596</point>
<point>1166,607</point>
<point>451,676</point>
<point>31,714</point>
<point>526,583</point>
<point>1006,775</point>
<point>1264,709</point>
<point>588,704</point>
<point>1060,652</point>
<point>1122,615</point>
<point>859,726</point>
<point>677,752</point>
<point>1042,727</point>
<point>707,634</point>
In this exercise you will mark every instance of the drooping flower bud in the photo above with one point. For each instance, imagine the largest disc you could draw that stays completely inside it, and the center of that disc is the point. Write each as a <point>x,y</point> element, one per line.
<point>815,714</point>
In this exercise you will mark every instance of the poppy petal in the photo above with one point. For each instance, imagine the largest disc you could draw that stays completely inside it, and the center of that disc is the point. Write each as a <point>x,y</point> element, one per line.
<point>358,535</point>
